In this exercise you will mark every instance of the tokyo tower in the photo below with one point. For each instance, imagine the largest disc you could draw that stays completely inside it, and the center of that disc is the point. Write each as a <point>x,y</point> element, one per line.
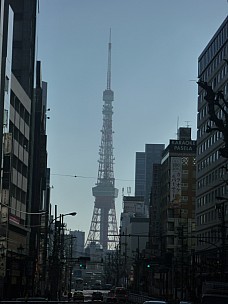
<point>103,228</point>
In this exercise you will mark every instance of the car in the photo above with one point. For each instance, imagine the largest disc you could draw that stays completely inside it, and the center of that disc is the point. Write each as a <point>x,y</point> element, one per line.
<point>111,297</point>
<point>155,302</point>
<point>97,296</point>
<point>32,299</point>
<point>107,286</point>
<point>121,294</point>
<point>78,296</point>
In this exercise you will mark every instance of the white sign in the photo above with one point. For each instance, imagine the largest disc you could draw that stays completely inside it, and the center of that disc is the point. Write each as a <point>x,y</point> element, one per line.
<point>7,143</point>
<point>5,196</point>
<point>175,185</point>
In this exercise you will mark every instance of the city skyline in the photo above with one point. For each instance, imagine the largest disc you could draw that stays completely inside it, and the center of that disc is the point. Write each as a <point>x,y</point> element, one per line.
<point>156,45</point>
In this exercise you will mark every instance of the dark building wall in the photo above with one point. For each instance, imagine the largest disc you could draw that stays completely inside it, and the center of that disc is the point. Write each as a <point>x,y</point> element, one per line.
<point>2,75</point>
<point>140,174</point>
<point>144,169</point>
<point>178,190</point>
<point>154,211</point>
<point>20,124</point>
<point>24,42</point>
<point>153,154</point>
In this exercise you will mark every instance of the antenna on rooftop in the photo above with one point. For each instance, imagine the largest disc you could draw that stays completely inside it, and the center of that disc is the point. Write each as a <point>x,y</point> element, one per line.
<point>187,123</point>
<point>177,125</point>
<point>128,190</point>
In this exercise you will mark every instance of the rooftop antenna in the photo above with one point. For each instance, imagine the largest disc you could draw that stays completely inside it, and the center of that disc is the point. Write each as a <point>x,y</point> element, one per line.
<point>187,123</point>
<point>109,62</point>
<point>128,190</point>
<point>177,126</point>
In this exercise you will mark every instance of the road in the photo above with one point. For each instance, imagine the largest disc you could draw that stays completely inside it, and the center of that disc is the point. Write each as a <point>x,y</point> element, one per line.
<point>88,294</point>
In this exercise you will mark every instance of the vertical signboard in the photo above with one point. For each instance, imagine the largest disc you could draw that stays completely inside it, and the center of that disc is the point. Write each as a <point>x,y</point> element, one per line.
<point>2,257</point>
<point>7,143</point>
<point>175,185</point>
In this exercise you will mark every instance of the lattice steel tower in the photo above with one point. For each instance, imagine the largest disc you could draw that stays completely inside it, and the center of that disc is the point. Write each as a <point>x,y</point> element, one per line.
<point>103,227</point>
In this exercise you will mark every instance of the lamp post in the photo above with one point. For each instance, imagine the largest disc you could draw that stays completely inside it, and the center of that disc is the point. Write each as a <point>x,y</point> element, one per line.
<point>20,250</point>
<point>55,267</point>
<point>138,257</point>
<point>69,260</point>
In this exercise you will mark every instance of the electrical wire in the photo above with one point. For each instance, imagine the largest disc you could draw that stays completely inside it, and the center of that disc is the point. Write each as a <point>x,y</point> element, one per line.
<point>93,177</point>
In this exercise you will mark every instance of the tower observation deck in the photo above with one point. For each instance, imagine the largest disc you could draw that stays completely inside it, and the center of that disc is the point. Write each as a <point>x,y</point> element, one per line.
<point>103,228</point>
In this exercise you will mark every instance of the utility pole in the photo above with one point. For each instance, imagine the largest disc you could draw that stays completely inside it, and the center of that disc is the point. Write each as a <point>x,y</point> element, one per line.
<point>182,261</point>
<point>221,207</point>
<point>223,234</point>
<point>71,256</point>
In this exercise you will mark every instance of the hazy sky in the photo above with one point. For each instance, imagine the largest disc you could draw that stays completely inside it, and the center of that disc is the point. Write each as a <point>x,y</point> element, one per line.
<point>155,48</point>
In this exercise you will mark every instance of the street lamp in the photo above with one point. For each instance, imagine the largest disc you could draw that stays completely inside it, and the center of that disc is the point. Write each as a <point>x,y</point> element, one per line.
<point>61,216</point>
<point>69,261</point>
<point>56,269</point>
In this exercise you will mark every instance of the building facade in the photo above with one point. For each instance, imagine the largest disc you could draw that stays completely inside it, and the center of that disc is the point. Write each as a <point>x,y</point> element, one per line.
<point>177,207</point>
<point>144,169</point>
<point>212,195</point>
<point>23,153</point>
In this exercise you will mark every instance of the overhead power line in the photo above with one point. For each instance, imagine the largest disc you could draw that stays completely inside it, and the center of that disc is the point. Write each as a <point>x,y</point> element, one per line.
<point>93,177</point>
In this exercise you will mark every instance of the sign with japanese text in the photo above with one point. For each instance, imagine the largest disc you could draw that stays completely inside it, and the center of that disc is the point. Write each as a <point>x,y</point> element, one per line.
<point>175,184</point>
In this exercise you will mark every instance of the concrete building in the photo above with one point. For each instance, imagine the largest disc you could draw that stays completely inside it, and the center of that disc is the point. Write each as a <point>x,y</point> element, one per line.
<point>134,229</point>
<point>78,243</point>
<point>211,214</point>
<point>140,168</point>
<point>178,187</point>
<point>177,212</point>
<point>22,150</point>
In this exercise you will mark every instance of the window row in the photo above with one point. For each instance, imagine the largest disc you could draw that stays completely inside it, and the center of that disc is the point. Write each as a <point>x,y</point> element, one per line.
<point>210,197</point>
<point>210,178</point>
<point>18,136</point>
<point>207,217</point>
<point>212,236</point>
<point>219,40</point>
<point>204,111</point>
<point>206,162</point>
<point>18,194</point>
<point>19,108</point>
<point>215,63</point>
<point>214,137</point>
<point>219,77</point>
<point>19,166</point>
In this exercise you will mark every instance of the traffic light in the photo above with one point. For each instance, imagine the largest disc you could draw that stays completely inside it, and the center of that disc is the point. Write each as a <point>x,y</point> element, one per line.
<point>148,265</point>
<point>82,262</point>
<point>82,266</point>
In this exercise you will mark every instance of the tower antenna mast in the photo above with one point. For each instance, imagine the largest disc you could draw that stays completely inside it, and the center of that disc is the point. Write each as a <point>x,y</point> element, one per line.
<point>109,61</point>
<point>103,229</point>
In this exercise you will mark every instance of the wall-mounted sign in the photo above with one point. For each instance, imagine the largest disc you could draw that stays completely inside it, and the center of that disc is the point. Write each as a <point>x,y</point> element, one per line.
<point>8,143</point>
<point>182,146</point>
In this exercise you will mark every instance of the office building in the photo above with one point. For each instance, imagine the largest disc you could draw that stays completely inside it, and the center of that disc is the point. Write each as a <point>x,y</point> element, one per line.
<point>23,151</point>
<point>212,195</point>
<point>144,169</point>
<point>78,242</point>
<point>178,187</point>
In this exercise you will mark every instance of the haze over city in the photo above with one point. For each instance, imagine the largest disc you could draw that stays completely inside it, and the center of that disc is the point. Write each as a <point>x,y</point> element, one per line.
<point>155,48</point>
